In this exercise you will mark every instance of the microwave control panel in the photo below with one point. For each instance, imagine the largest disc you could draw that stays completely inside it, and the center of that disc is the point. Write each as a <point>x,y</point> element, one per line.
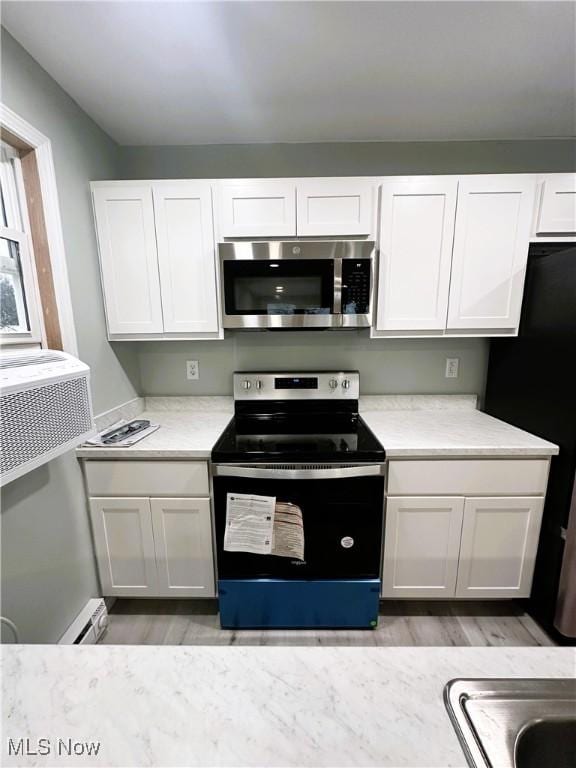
<point>356,274</point>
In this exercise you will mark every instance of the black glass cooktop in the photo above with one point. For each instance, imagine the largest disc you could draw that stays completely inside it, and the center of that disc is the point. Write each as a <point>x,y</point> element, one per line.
<point>302,437</point>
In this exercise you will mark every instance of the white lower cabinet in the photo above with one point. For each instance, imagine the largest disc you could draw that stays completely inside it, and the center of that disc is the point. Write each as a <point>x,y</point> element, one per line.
<point>499,543</point>
<point>478,547</point>
<point>422,542</point>
<point>153,547</point>
<point>183,542</point>
<point>124,546</point>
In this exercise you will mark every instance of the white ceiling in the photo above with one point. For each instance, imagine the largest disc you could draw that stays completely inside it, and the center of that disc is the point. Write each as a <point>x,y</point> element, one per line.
<point>203,73</point>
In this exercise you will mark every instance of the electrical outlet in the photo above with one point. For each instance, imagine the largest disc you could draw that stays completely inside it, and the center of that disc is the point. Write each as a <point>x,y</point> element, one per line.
<point>192,370</point>
<point>452,365</point>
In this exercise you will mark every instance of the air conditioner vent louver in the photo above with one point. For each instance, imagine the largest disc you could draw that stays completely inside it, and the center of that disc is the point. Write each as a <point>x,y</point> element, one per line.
<point>45,410</point>
<point>17,361</point>
<point>38,420</point>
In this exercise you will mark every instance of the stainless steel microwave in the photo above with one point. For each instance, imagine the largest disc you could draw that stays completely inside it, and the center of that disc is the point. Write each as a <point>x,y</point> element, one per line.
<point>297,284</point>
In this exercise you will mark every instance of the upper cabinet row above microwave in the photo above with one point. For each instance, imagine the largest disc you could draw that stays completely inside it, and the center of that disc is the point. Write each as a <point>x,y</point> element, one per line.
<point>332,207</point>
<point>452,250</point>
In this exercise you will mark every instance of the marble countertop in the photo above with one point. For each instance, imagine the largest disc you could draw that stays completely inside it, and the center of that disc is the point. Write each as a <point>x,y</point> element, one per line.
<point>406,425</point>
<point>189,428</point>
<point>249,706</point>
<point>451,432</point>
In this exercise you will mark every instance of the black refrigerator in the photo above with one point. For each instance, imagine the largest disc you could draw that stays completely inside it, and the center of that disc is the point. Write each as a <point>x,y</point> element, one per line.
<point>531,383</point>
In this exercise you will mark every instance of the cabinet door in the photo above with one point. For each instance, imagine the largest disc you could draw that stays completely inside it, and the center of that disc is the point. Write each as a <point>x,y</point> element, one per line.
<point>257,209</point>
<point>491,240</point>
<point>183,540</point>
<point>421,545</point>
<point>128,257</point>
<point>499,542</point>
<point>334,207</point>
<point>124,546</point>
<point>557,210</point>
<point>416,234</point>
<point>186,255</point>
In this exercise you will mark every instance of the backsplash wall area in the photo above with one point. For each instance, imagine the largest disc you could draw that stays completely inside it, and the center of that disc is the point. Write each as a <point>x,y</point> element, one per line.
<point>387,366</point>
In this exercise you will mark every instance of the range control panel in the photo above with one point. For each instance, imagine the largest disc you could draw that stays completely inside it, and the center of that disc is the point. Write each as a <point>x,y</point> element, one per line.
<point>324,385</point>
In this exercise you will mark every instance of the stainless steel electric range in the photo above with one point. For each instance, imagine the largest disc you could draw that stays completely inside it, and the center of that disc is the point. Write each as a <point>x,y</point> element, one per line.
<point>298,498</point>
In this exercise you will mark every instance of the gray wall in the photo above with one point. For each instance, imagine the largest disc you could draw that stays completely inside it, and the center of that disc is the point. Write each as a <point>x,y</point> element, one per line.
<point>347,159</point>
<point>48,570</point>
<point>82,152</point>
<point>385,365</point>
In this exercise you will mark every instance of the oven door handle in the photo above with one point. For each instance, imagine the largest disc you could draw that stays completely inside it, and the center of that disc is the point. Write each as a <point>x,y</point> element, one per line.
<point>320,472</point>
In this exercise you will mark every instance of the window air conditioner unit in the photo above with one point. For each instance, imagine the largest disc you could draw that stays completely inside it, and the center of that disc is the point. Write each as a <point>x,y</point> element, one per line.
<point>45,409</point>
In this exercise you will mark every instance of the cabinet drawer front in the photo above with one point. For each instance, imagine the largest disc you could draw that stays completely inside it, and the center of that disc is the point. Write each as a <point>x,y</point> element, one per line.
<point>468,477</point>
<point>147,478</point>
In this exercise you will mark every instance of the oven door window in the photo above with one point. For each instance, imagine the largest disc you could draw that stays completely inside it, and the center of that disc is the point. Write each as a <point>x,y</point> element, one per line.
<point>281,287</point>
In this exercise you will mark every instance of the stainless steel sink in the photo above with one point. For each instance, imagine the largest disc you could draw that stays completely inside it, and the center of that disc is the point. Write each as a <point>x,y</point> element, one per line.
<point>515,723</point>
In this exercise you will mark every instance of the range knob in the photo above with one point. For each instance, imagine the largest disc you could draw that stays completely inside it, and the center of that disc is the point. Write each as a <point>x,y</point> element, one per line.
<point>333,383</point>
<point>258,384</point>
<point>346,384</point>
<point>246,384</point>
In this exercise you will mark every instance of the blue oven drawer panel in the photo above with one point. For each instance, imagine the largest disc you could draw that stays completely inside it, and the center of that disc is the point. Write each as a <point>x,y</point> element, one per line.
<point>284,604</point>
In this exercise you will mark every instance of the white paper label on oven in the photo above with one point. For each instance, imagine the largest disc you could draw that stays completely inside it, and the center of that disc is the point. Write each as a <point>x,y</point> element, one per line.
<point>249,523</point>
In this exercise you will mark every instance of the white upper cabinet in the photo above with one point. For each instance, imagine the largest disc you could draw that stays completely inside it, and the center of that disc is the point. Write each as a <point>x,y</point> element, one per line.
<point>557,205</point>
<point>158,259</point>
<point>499,543</point>
<point>492,234</point>
<point>127,243</point>
<point>186,256</point>
<point>334,207</point>
<point>416,234</point>
<point>257,209</point>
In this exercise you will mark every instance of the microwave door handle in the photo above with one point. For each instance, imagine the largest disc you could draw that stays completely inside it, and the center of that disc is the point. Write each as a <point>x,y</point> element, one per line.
<point>285,473</point>
<point>337,287</point>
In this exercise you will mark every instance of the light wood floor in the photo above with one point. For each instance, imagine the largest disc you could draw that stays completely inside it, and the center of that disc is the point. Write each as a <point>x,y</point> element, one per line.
<point>188,622</point>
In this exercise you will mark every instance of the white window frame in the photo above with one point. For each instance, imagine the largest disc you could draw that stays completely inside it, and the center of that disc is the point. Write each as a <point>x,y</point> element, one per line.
<point>25,132</point>
<point>32,303</point>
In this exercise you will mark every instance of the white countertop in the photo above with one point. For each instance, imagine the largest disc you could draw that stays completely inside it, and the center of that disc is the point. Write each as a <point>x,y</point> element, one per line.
<point>189,428</point>
<point>406,425</point>
<point>250,706</point>
<point>424,433</point>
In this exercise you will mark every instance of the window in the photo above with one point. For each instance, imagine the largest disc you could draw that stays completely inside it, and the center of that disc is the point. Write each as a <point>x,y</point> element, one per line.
<point>19,316</point>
